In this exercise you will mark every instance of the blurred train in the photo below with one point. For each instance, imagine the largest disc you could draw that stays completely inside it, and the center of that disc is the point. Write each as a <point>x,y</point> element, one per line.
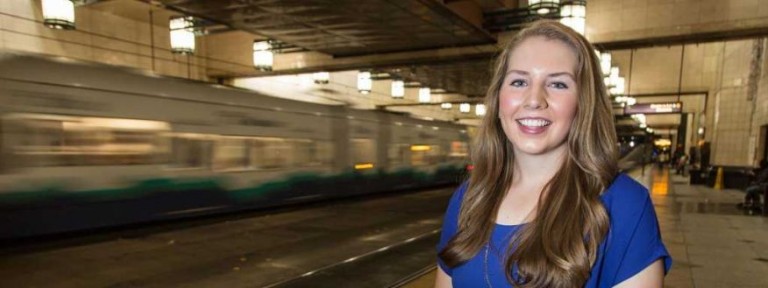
<point>86,145</point>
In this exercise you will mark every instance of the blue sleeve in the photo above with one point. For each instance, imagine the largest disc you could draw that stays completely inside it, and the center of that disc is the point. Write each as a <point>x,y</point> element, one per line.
<point>638,239</point>
<point>450,224</point>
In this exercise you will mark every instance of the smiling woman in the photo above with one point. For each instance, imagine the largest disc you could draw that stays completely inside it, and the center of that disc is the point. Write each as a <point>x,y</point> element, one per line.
<point>537,105</point>
<point>545,205</point>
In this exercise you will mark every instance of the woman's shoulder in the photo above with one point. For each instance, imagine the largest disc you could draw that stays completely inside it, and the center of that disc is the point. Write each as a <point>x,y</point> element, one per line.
<point>633,241</point>
<point>458,196</point>
<point>625,196</point>
<point>454,204</point>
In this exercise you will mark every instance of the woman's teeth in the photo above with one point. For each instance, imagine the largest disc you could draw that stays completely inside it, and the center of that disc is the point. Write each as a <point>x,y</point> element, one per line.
<point>533,122</point>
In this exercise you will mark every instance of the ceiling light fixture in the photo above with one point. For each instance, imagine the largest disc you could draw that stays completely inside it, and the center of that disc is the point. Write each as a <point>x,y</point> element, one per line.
<point>425,95</point>
<point>364,82</point>
<point>480,109</point>
<point>322,77</point>
<point>618,86</point>
<point>543,7</point>
<point>182,35</point>
<point>59,14</point>
<point>574,13</point>
<point>605,63</point>
<point>465,107</point>
<point>615,83</point>
<point>263,57</point>
<point>398,89</point>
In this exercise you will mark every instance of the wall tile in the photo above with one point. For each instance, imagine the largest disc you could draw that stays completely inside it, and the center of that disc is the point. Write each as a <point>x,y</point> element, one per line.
<point>762,9</point>
<point>28,9</point>
<point>713,11</point>
<point>634,4</point>
<point>634,18</point>
<point>614,21</point>
<point>660,15</point>
<point>742,9</point>
<point>685,13</point>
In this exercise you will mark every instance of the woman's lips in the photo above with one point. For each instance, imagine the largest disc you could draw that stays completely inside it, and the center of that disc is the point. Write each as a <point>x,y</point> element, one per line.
<point>533,125</point>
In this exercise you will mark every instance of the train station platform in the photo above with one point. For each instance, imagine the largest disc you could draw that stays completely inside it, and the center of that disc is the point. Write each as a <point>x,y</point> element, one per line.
<point>713,243</point>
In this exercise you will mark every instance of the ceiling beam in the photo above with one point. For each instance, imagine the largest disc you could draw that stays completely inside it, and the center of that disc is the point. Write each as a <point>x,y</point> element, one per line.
<point>314,62</point>
<point>690,38</point>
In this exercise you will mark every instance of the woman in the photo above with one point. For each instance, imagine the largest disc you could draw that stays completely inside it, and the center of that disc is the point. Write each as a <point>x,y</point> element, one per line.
<point>545,205</point>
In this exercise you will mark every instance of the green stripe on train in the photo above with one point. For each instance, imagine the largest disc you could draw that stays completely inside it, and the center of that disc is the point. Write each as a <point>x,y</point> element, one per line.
<point>56,193</point>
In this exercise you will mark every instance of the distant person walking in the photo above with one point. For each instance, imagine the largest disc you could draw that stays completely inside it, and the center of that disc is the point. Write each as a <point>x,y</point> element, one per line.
<point>680,165</point>
<point>752,199</point>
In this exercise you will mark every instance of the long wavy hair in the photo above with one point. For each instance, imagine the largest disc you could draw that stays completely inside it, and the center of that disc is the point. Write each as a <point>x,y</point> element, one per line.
<point>559,246</point>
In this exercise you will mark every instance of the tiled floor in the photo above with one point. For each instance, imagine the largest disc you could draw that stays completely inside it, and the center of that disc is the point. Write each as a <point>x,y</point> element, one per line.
<point>712,242</point>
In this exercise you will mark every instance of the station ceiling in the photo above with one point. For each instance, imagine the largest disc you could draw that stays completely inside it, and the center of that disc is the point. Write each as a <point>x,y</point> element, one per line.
<point>343,27</point>
<point>350,28</point>
<point>445,44</point>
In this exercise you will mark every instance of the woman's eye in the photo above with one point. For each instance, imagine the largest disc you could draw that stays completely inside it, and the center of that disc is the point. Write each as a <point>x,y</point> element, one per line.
<point>517,83</point>
<point>559,85</point>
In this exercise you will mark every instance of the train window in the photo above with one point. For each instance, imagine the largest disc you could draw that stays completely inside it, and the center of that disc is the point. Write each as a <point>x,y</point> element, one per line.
<point>231,153</point>
<point>303,152</point>
<point>190,151</point>
<point>363,151</point>
<point>398,154</point>
<point>425,155</point>
<point>311,153</point>
<point>40,140</point>
<point>324,152</point>
<point>269,153</point>
<point>36,143</point>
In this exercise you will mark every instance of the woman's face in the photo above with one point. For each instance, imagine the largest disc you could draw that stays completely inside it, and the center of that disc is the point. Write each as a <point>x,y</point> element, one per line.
<point>538,98</point>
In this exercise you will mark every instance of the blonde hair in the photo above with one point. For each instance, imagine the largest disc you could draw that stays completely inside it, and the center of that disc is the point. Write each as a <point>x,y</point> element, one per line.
<point>559,247</point>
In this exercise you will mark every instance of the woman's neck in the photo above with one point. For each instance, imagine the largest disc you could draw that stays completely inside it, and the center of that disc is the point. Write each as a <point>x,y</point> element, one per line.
<point>536,170</point>
<point>532,172</point>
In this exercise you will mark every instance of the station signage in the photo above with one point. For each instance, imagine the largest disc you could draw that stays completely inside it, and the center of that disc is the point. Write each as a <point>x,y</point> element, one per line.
<point>654,108</point>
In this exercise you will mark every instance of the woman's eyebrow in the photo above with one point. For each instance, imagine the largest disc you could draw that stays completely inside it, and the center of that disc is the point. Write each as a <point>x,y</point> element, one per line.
<point>521,72</point>
<point>563,73</point>
<point>556,74</point>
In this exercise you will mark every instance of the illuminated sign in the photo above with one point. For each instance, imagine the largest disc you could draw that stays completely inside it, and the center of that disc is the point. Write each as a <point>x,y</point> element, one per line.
<point>654,108</point>
<point>420,148</point>
<point>363,166</point>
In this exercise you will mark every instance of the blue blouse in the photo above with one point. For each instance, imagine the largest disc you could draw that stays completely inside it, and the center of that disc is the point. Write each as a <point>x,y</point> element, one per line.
<point>633,241</point>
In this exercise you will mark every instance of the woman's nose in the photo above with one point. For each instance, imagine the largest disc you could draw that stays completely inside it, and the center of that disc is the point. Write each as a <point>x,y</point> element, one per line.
<point>536,98</point>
